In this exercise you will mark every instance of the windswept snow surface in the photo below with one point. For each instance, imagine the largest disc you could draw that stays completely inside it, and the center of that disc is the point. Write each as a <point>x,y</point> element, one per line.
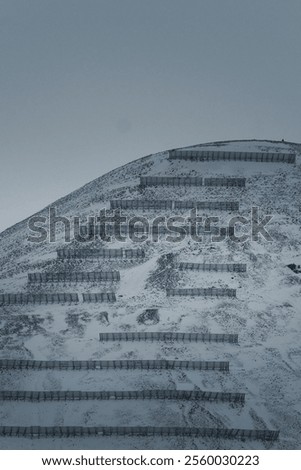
<point>266,313</point>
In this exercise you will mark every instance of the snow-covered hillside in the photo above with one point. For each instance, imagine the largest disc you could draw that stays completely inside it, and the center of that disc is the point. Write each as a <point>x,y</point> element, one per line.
<point>266,313</point>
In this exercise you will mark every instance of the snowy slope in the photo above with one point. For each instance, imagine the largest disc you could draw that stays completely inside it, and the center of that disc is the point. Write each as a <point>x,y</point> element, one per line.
<point>266,313</point>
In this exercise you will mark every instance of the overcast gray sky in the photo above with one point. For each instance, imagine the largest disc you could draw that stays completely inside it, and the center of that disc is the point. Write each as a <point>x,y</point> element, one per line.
<point>88,85</point>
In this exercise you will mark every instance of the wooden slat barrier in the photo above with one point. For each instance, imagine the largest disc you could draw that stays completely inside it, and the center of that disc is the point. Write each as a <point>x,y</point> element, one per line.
<point>68,253</point>
<point>167,336</point>
<point>218,267</point>
<point>100,276</point>
<point>143,431</point>
<point>19,299</point>
<point>220,155</point>
<point>9,364</point>
<point>100,297</point>
<point>225,182</point>
<point>141,204</point>
<point>173,205</point>
<point>70,395</point>
<point>171,181</point>
<point>208,205</point>
<point>205,292</point>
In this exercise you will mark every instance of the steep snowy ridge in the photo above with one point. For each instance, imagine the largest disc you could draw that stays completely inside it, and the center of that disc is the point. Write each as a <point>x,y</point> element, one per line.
<point>265,364</point>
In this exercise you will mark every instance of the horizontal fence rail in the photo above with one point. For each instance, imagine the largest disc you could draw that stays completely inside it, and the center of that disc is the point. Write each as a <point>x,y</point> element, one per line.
<point>133,229</point>
<point>226,182</point>
<point>8,364</point>
<point>68,253</point>
<point>171,205</point>
<point>206,292</point>
<point>41,278</point>
<point>100,297</point>
<point>219,267</point>
<point>149,229</point>
<point>143,431</point>
<point>166,336</point>
<point>19,299</point>
<point>171,181</point>
<point>216,155</point>
<point>209,205</point>
<point>70,395</point>
<point>140,204</point>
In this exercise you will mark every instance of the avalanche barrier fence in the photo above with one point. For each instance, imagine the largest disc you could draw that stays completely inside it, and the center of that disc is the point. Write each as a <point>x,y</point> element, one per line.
<point>208,205</point>
<point>67,253</point>
<point>69,395</point>
<point>100,297</point>
<point>216,155</point>
<point>11,364</point>
<point>225,182</point>
<point>171,181</point>
<point>140,204</point>
<point>146,431</point>
<point>43,278</point>
<point>166,336</point>
<point>172,205</point>
<point>20,299</point>
<point>205,292</point>
<point>218,267</point>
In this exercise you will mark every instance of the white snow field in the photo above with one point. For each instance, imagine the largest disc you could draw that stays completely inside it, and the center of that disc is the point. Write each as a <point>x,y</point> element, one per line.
<point>265,364</point>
